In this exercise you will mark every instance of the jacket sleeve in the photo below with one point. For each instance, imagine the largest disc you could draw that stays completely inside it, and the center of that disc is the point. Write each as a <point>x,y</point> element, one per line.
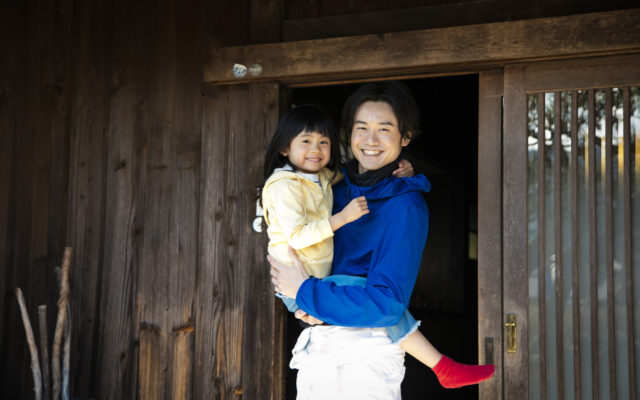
<point>289,209</point>
<point>392,274</point>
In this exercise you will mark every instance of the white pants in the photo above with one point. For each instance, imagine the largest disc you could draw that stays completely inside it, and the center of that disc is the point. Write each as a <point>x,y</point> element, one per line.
<point>342,363</point>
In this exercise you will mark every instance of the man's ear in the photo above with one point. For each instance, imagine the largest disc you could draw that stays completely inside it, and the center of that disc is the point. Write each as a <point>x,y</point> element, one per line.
<point>406,140</point>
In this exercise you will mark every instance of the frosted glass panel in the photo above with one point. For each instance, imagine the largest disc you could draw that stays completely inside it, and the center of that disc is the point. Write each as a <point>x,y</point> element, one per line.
<point>583,215</point>
<point>634,167</point>
<point>532,259</point>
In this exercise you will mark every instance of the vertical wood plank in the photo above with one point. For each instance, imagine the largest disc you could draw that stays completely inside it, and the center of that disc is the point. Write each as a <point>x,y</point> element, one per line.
<point>490,227</point>
<point>15,259</point>
<point>262,361</point>
<point>265,20</point>
<point>9,77</point>
<point>124,198</point>
<point>36,202</point>
<point>89,117</point>
<point>515,290</point>
<point>593,261</point>
<point>608,204</point>
<point>628,263</point>
<point>167,278</point>
<point>238,334</point>
<point>557,205</point>
<point>575,229</point>
<point>542,229</point>
<point>58,86</point>
<point>220,292</point>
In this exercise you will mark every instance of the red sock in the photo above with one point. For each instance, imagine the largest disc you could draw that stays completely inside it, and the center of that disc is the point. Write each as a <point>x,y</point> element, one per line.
<point>454,375</point>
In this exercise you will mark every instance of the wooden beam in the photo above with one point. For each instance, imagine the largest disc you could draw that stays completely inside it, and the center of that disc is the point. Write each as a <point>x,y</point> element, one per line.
<point>455,48</point>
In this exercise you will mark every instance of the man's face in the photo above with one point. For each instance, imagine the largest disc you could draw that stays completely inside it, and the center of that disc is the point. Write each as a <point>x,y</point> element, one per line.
<point>375,138</point>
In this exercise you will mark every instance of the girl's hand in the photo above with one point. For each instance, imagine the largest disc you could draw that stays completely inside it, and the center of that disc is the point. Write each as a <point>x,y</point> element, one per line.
<point>405,169</point>
<point>287,280</point>
<point>354,210</point>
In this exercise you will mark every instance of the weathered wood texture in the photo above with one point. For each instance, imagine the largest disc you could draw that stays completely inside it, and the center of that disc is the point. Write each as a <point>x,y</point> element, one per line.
<point>515,289</point>
<point>107,145</point>
<point>332,18</point>
<point>33,122</point>
<point>490,229</point>
<point>238,340</point>
<point>466,47</point>
<point>89,107</point>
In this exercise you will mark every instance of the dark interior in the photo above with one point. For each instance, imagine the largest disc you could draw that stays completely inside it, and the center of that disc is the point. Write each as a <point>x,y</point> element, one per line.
<point>445,295</point>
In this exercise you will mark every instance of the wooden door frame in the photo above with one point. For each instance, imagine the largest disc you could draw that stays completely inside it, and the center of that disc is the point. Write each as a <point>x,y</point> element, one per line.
<point>447,51</point>
<point>490,241</point>
<point>485,49</point>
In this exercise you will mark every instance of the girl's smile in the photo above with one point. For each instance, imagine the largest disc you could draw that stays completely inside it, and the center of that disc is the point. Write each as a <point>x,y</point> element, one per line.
<point>309,152</point>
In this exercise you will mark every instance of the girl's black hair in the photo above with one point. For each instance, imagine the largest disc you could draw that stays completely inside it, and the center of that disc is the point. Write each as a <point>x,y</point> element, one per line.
<point>307,117</point>
<point>394,93</point>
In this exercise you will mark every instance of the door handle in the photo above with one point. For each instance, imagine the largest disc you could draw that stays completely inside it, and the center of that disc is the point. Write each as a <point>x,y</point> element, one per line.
<point>512,333</point>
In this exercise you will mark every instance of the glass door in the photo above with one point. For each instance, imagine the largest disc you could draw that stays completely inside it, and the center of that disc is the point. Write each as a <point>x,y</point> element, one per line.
<point>572,229</point>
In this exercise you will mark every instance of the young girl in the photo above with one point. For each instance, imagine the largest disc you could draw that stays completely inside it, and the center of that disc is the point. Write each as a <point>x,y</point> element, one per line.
<point>300,166</point>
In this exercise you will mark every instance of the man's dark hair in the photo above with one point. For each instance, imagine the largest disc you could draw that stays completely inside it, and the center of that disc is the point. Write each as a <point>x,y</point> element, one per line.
<point>394,93</point>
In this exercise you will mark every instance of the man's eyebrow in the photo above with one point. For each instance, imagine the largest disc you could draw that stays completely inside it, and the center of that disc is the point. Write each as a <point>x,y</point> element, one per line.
<point>381,123</point>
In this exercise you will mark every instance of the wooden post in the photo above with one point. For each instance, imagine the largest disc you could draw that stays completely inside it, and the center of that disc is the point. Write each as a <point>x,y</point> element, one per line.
<point>44,349</point>
<point>60,323</point>
<point>35,364</point>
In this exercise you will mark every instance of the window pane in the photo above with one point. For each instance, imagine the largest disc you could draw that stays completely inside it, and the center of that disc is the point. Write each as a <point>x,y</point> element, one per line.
<point>583,246</point>
<point>532,240</point>
<point>617,200</point>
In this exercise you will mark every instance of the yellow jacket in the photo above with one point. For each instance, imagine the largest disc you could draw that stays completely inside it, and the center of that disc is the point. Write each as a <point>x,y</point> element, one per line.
<point>297,212</point>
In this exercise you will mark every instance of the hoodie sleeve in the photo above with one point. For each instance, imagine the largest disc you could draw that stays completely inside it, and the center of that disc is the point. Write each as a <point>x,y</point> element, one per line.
<point>287,207</point>
<point>397,247</point>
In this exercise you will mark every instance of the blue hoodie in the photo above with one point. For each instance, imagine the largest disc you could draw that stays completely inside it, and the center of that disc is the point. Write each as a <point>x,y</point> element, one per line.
<point>385,246</point>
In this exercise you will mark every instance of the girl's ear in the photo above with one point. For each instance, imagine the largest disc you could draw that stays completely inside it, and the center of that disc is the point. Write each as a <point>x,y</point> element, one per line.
<point>285,152</point>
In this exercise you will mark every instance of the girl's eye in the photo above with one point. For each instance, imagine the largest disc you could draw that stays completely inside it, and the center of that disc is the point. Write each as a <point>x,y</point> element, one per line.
<point>324,142</point>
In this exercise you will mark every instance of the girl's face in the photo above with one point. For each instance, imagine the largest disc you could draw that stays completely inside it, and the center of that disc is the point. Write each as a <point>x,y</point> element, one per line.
<point>309,152</point>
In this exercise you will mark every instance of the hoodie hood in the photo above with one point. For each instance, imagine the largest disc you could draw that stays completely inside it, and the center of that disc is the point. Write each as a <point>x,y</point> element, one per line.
<point>389,187</point>
<point>287,172</point>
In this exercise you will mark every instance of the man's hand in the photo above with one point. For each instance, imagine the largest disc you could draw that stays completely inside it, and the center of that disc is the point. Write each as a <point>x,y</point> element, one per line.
<point>309,319</point>
<point>287,280</point>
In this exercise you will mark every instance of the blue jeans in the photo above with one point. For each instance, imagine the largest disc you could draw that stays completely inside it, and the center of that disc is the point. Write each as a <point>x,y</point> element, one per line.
<point>397,333</point>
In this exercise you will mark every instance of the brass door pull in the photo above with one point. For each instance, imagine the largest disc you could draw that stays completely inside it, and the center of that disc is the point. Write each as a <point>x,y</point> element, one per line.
<point>512,333</point>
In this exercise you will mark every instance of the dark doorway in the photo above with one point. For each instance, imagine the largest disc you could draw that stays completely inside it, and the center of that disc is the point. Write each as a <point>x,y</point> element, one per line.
<point>445,295</point>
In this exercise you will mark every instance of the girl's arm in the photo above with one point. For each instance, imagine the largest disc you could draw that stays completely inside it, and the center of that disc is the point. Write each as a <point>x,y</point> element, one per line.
<point>286,205</point>
<point>299,231</point>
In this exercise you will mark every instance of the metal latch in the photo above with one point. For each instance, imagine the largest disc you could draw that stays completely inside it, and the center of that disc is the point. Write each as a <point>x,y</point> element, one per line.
<point>512,333</point>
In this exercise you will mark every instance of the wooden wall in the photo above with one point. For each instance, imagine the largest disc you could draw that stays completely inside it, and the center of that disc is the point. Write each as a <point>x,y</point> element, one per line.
<point>110,143</point>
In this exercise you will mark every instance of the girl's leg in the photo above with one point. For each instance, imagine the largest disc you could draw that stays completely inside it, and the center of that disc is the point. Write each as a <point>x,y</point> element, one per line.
<point>450,374</point>
<point>420,348</point>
